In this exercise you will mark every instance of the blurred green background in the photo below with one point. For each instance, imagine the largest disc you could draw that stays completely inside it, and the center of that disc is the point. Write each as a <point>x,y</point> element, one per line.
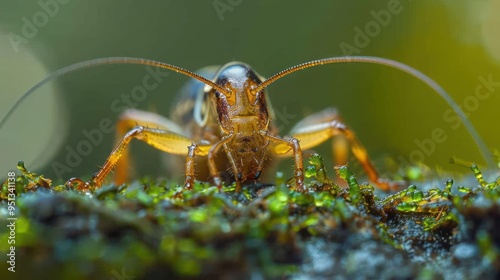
<point>454,42</point>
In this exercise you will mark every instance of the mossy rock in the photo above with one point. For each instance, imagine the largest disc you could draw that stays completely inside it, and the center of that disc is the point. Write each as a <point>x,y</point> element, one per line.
<point>152,229</point>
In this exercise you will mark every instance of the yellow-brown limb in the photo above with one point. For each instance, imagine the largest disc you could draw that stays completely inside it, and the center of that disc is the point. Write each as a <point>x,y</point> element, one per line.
<point>285,146</point>
<point>310,135</point>
<point>129,119</point>
<point>163,140</point>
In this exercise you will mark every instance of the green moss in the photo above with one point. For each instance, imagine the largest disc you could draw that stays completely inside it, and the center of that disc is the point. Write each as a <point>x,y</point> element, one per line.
<point>354,190</point>
<point>149,229</point>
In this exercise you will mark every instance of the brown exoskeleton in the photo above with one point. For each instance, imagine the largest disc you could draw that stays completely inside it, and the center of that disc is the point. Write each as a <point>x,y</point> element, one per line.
<point>231,126</point>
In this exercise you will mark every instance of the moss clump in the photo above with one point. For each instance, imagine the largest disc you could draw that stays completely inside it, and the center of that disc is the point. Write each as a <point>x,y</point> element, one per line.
<point>147,230</point>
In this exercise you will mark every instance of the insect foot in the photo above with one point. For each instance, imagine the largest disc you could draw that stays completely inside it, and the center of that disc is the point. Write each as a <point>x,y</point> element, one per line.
<point>299,181</point>
<point>81,185</point>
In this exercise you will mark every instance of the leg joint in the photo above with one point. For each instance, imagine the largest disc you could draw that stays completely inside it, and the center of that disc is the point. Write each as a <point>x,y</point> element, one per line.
<point>338,125</point>
<point>192,150</point>
<point>136,132</point>
<point>295,142</point>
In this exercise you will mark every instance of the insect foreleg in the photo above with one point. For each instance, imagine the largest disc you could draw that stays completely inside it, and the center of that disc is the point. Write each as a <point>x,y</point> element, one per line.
<point>129,119</point>
<point>163,140</point>
<point>189,168</point>
<point>211,160</point>
<point>311,134</point>
<point>285,146</point>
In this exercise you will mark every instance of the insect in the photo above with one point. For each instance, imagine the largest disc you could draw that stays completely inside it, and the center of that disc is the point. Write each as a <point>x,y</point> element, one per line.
<point>228,125</point>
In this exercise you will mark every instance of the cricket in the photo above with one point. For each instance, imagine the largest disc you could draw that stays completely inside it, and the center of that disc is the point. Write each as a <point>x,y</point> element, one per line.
<point>225,123</point>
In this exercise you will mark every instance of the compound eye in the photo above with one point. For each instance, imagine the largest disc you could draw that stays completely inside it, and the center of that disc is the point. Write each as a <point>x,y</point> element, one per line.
<point>251,94</point>
<point>230,97</point>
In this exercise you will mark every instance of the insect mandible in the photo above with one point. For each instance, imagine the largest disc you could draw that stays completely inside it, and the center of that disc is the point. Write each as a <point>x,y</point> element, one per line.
<point>232,126</point>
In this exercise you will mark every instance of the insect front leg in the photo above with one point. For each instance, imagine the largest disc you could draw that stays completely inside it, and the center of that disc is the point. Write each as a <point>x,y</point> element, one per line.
<point>129,119</point>
<point>163,140</point>
<point>283,147</point>
<point>212,166</point>
<point>324,125</point>
<point>189,168</point>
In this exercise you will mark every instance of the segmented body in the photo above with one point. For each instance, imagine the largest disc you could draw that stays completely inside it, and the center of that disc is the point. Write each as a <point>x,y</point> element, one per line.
<point>249,149</point>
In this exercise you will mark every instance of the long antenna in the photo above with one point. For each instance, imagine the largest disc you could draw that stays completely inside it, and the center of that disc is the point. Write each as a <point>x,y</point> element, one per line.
<point>104,61</point>
<point>346,59</point>
<point>488,157</point>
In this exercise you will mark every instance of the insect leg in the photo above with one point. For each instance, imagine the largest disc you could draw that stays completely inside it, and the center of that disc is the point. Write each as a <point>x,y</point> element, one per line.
<point>283,147</point>
<point>340,144</point>
<point>163,140</point>
<point>189,168</point>
<point>129,119</point>
<point>212,166</point>
<point>318,128</point>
